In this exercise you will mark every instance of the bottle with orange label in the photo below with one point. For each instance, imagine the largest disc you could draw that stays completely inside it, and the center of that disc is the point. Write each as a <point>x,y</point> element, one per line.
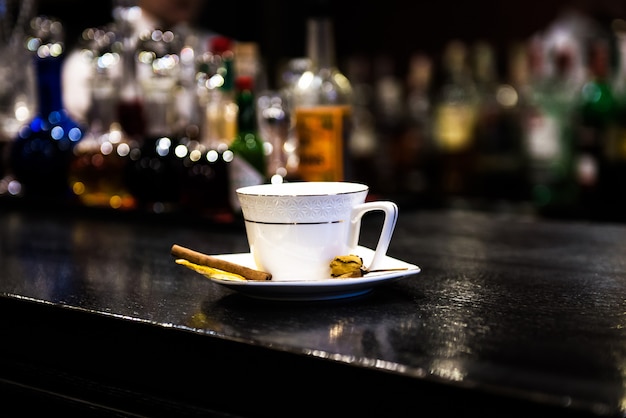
<point>323,109</point>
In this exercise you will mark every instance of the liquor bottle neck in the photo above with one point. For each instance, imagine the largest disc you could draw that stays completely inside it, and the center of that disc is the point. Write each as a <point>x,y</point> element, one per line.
<point>320,42</point>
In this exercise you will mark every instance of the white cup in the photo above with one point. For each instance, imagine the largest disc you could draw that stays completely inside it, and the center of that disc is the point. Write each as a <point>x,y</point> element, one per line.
<point>296,229</point>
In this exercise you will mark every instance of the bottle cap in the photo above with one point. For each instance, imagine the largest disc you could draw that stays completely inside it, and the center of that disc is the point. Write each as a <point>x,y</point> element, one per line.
<point>220,44</point>
<point>244,82</point>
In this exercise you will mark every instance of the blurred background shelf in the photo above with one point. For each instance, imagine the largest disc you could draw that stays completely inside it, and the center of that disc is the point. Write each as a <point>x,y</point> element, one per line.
<point>394,28</point>
<point>377,44</point>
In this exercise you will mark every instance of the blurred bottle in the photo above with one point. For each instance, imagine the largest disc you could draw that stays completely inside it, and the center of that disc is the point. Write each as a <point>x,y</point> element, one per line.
<point>454,121</point>
<point>154,175</point>
<point>499,166</point>
<point>522,78</point>
<point>248,63</point>
<point>272,111</point>
<point>595,124</point>
<point>363,144</point>
<point>390,116</point>
<point>289,76</point>
<point>615,185</point>
<point>323,108</point>
<point>275,122</point>
<point>130,106</point>
<point>221,107</point>
<point>205,186</point>
<point>42,152</point>
<point>17,85</point>
<point>415,153</point>
<point>249,162</point>
<point>548,136</point>
<point>96,173</point>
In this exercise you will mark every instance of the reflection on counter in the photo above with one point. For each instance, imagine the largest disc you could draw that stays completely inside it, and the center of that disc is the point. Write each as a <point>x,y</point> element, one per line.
<point>316,324</point>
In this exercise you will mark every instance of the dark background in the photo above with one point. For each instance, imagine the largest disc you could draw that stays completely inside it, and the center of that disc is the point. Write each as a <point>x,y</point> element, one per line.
<point>395,28</point>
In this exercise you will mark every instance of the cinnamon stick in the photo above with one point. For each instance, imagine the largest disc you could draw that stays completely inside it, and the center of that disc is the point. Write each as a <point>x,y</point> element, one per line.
<point>215,262</point>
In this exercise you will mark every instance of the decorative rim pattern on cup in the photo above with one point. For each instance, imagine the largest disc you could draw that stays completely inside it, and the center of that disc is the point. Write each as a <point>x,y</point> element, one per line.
<point>310,188</point>
<point>304,209</point>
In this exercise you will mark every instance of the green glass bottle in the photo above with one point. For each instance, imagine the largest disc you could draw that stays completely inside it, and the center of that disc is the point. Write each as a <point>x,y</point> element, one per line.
<point>614,184</point>
<point>549,140</point>
<point>249,161</point>
<point>595,125</point>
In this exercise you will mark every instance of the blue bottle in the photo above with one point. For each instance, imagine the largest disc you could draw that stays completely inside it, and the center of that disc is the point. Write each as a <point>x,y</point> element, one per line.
<point>42,151</point>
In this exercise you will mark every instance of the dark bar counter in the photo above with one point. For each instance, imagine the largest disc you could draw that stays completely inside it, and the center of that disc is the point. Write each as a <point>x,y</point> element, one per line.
<point>510,316</point>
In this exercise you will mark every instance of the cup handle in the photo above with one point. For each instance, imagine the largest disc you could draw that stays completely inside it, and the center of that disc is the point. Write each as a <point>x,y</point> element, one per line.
<point>391,216</point>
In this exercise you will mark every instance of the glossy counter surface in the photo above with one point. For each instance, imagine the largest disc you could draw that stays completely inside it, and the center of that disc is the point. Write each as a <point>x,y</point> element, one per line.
<point>508,317</point>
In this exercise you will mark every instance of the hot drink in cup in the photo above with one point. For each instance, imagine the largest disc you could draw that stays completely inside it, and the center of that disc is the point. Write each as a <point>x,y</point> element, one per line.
<point>296,229</point>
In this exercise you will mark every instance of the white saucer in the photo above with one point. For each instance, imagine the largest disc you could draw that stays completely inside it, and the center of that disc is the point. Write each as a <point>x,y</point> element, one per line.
<point>331,288</point>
